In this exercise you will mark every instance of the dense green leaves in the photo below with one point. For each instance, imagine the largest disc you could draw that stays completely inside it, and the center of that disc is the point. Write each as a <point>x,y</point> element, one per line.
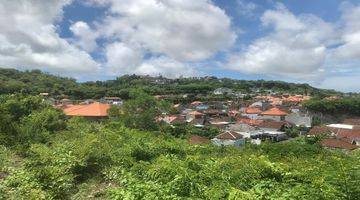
<point>140,111</point>
<point>342,106</point>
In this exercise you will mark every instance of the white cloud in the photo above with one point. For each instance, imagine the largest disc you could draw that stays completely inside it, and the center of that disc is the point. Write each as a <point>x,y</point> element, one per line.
<point>246,8</point>
<point>85,37</point>
<point>122,58</point>
<point>350,48</point>
<point>295,47</point>
<point>28,38</point>
<point>183,30</point>
<point>166,67</point>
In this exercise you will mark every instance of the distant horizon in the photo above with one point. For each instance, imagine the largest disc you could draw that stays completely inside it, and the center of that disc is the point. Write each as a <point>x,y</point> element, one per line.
<point>314,42</point>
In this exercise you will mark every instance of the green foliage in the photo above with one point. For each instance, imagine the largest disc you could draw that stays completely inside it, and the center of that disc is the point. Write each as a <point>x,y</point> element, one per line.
<point>342,106</point>
<point>184,131</point>
<point>34,82</point>
<point>4,157</point>
<point>316,121</point>
<point>26,120</point>
<point>39,125</point>
<point>140,111</point>
<point>114,112</point>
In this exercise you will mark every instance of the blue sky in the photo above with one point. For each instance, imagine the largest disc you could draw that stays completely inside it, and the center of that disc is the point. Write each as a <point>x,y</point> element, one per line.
<point>298,41</point>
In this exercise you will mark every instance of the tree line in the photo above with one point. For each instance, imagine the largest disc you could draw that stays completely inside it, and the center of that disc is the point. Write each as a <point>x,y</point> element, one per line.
<point>34,82</point>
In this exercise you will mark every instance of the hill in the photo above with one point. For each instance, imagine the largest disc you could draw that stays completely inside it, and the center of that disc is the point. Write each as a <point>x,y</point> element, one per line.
<point>34,82</point>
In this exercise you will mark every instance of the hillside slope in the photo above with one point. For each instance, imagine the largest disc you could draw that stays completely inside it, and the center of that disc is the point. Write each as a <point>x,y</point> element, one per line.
<point>35,82</point>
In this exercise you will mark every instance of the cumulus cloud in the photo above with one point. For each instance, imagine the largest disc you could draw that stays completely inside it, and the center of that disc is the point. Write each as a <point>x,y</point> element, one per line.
<point>296,46</point>
<point>28,38</point>
<point>165,66</point>
<point>85,37</point>
<point>183,30</point>
<point>137,35</point>
<point>122,58</point>
<point>350,47</point>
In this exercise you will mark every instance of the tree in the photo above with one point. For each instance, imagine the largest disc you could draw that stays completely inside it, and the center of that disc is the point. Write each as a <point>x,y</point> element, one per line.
<point>39,125</point>
<point>140,111</point>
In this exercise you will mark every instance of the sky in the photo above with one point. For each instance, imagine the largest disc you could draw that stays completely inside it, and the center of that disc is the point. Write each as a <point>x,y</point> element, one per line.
<point>307,41</point>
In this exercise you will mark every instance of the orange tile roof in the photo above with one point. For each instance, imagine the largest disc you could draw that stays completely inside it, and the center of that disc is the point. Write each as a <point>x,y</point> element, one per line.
<point>90,110</point>
<point>272,124</point>
<point>249,121</point>
<point>352,121</point>
<point>274,112</point>
<point>336,143</point>
<point>349,133</point>
<point>253,110</point>
<point>319,130</point>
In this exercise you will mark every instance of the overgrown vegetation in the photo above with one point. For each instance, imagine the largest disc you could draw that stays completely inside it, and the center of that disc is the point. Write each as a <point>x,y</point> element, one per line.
<point>46,156</point>
<point>342,106</point>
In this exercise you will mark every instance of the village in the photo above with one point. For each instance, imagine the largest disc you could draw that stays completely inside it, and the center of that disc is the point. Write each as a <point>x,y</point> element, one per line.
<point>267,117</point>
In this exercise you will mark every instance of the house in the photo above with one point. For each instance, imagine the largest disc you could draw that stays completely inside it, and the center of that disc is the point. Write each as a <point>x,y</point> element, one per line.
<point>220,122</point>
<point>113,100</point>
<point>352,121</point>
<point>350,135</point>
<point>196,103</point>
<point>322,130</point>
<point>274,114</point>
<point>229,138</point>
<point>273,130</point>
<point>94,111</point>
<point>263,105</point>
<point>194,115</point>
<point>251,113</point>
<point>334,143</point>
<point>174,119</point>
<point>342,137</point>
<point>197,122</point>
<point>299,119</point>
<point>252,122</point>
<point>245,130</point>
<point>270,125</point>
<point>274,136</point>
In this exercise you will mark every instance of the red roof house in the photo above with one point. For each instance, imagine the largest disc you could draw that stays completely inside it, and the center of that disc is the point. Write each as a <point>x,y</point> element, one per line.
<point>274,112</point>
<point>337,143</point>
<point>253,110</point>
<point>90,110</point>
